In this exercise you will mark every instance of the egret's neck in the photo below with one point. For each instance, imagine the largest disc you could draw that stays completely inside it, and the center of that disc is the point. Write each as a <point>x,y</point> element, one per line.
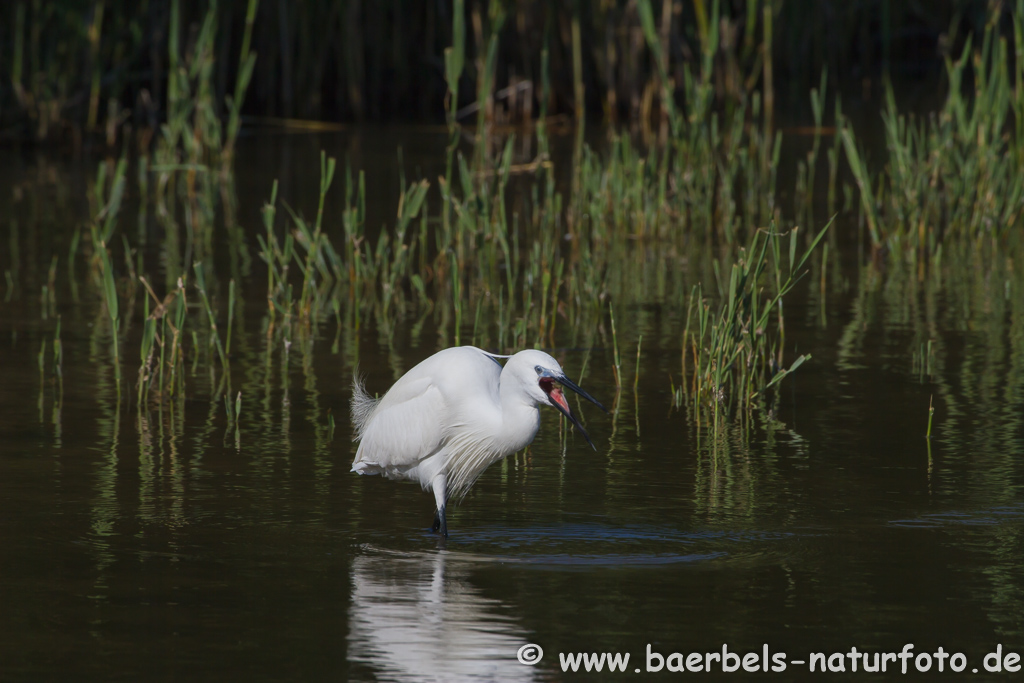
<point>519,416</point>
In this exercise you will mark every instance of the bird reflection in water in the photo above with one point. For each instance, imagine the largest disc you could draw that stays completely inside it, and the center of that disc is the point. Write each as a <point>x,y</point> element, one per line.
<point>418,618</point>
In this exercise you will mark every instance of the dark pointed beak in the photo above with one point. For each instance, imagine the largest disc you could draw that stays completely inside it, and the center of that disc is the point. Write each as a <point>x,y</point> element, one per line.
<point>563,407</point>
<point>566,382</point>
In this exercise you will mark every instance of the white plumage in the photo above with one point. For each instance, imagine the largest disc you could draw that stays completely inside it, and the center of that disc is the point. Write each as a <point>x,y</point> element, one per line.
<point>452,416</point>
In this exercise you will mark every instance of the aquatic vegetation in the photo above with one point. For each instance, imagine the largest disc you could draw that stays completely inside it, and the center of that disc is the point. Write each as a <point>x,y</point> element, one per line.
<point>515,246</point>
<point>953,324</point>
<point>944,215</point>
<point>697,240</point>
<point>194,134</point>
<point>78,69</point>
<point>735,356</point>
<point>103,223</point>
<point>956,172</point>
<point>496,253</point>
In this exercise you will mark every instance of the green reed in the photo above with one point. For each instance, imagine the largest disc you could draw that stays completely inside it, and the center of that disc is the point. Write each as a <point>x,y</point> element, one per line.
<point>58,353</point>
<point>454,62</point>
<point>246,66</point>
<point>211,318</point>
<point>944,210</point>
<point>957,172</point>
<point>931,414</point>
<point>736,357</point>
<point>146,352</point>
<point>535,262</point>
<point>65,60</point>
<point>194,134</point>
<point>970,290</point>
<point>232,300</point>
<point>107,206</point>
<point>530,264</point>
<point>320,256</point>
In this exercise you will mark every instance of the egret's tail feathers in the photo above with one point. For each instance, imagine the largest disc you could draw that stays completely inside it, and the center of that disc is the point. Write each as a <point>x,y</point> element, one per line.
<point>362,407</point>
<point>366,468</point>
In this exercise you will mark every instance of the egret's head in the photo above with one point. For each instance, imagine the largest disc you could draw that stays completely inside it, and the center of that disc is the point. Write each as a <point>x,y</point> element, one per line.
<point>542,379</point>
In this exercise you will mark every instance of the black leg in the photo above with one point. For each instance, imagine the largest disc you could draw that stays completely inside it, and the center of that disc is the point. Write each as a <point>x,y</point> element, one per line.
<point>440,523</point>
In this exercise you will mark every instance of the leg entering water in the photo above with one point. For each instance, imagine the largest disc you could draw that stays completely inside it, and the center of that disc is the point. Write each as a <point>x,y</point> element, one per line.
<point>440,486</point>
<point>440,523</point>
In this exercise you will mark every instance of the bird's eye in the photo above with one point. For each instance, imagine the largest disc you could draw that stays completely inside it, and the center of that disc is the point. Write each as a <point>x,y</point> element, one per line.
<point>539,369</point>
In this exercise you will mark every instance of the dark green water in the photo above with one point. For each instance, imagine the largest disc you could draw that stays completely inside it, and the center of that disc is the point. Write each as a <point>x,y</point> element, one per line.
<point>164,545</point>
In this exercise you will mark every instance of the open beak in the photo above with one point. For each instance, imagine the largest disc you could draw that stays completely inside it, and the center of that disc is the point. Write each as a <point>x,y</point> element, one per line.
<point>557,399</point>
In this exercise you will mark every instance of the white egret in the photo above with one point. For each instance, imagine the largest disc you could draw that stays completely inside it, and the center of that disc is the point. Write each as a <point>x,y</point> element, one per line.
<point>452,416</point>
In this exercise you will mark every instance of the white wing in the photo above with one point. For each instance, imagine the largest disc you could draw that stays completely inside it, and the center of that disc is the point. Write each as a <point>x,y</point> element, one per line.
<point>403,429</point>
<point>448,405</point>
